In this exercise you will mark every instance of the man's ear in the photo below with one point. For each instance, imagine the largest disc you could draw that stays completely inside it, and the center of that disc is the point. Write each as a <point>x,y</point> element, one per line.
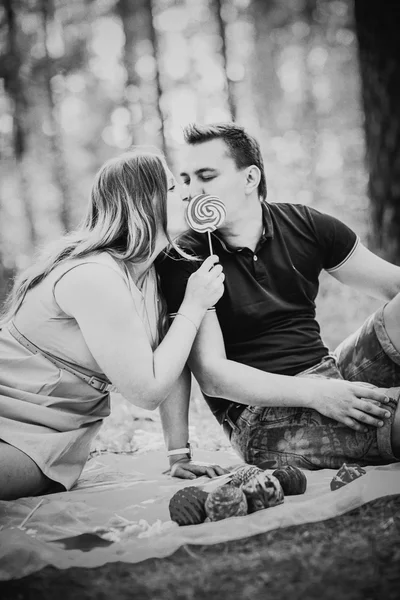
<point>253,176</point>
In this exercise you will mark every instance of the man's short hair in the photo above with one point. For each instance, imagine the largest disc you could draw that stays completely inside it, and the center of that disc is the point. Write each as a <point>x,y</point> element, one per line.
<point>243,148</point>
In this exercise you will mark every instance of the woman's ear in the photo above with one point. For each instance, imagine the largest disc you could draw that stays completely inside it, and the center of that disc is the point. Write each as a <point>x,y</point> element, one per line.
<point>253,176</point>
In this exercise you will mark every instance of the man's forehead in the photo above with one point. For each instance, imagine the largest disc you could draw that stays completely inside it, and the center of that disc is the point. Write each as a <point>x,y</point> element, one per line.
<point>206,155</point>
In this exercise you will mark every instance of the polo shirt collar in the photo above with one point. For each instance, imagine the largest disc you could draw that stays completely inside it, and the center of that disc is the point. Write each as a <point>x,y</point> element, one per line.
<point>268,230</point>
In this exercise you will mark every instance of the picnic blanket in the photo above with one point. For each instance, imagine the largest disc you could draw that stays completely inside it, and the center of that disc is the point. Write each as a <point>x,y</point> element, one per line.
<point>128,496</point>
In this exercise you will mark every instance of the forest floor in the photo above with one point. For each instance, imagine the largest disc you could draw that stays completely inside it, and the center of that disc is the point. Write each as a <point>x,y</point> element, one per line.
<point>354,556</point>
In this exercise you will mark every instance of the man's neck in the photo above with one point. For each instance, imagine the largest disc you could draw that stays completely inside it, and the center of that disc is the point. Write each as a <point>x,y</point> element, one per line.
<point>247,228</point>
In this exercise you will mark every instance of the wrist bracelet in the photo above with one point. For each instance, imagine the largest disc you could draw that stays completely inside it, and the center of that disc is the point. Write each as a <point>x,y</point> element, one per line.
<point>178,451</point>
<point>190,320</point>
<point>186,450</point>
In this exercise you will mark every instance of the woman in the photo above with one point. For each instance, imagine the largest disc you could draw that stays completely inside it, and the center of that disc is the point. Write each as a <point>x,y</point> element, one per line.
<point>88,313</point>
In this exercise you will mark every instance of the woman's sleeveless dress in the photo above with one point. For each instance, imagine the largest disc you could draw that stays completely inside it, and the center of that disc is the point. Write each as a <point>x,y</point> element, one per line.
<point>47,412</point>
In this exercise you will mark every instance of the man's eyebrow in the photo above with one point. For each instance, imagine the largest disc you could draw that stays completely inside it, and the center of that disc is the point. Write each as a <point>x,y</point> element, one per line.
<point>200,171</point>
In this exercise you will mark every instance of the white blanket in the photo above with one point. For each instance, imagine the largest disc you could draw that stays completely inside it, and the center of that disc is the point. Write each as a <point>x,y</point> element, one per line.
<point>129,495</point>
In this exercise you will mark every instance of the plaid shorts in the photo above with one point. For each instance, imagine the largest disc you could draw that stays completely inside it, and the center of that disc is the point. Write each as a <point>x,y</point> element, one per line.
<point>277,436</point>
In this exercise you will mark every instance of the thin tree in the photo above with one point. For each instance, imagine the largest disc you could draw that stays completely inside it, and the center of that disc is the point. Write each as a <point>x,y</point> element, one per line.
<point>6,276</point>
<point>59,169</point>
<point>138,26</point>
<point>6,272</point>
<point>157,75</point>
<point>218,6</point>
<point>266,86</point>
<point>133,21</point>
<point>309,109</point>
<point>379,54</point>
<point>14,86</point>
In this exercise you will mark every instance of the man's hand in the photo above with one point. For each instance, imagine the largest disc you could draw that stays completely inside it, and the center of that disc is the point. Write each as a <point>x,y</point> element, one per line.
<point>190,469</point>
<point>356,405</point>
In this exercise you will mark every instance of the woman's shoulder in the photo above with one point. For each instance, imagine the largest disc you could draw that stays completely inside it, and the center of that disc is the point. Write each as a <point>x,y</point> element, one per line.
<point>98,258</point>
<point>101,258</point>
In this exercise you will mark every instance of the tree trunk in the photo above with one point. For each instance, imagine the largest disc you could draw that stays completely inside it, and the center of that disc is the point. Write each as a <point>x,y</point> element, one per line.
<point>59,169</point>
<point>379,54</point>
<point>6,272</point>
<point>13,85</point>
<point>267,19</point>
<point>133,20</point>
<point>309,116</point>
<point>6,276</point>
<point>142,97</point>
<point>158,86</point>
<point>218,9</point>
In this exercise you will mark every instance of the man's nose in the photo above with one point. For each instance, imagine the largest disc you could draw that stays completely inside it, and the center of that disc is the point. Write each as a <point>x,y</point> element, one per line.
<point>184,193</point>
<point>194,189</point>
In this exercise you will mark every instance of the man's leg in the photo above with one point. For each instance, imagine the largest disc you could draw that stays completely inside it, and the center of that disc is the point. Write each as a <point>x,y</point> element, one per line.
<point>372,355</point>
<point>273,437</point>
<point>391,317</point>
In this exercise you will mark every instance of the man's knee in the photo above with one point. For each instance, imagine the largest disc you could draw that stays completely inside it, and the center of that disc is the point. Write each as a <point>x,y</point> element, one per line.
<point>396,432</point>
<point>392,310</point>
<point>391,316</point>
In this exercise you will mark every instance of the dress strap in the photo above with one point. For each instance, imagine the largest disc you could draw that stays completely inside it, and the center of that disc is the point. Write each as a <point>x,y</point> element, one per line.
<point>96,382</point>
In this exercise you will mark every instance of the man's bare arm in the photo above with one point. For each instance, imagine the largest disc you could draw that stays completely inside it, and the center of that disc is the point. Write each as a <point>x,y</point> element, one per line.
<point>350,403</point>
<point>370,274</point>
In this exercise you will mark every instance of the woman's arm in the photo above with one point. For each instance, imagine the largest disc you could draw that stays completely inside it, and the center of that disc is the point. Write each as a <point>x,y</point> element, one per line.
<point>174,413</point>
<point>103,307</point>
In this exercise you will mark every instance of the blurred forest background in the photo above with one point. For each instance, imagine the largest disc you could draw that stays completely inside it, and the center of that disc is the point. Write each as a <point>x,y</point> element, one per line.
<point>316,81</point>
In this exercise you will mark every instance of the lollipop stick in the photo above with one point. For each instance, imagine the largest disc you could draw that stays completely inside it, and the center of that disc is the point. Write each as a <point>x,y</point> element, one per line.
<point>209,242</point>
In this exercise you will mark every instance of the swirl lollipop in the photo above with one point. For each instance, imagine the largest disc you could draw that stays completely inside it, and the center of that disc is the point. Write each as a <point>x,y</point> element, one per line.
<point>205,213</point>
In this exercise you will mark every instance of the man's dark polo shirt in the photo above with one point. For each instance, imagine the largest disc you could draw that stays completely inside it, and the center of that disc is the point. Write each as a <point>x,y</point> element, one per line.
<point>267,312</point>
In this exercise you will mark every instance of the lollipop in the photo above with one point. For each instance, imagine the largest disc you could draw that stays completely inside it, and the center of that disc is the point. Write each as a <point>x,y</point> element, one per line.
<point>205,213</point>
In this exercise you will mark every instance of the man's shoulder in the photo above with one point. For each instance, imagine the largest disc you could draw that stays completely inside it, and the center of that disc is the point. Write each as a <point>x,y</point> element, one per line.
<point>298,214</point>
<point>289,208</point>
<point>289,215</point>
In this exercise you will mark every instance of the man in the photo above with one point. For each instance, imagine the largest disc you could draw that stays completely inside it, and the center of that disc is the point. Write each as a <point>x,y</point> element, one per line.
<point>264,333</point>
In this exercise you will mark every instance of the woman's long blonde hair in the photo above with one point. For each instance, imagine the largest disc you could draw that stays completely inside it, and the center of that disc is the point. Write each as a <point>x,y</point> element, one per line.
<point>126,210</point>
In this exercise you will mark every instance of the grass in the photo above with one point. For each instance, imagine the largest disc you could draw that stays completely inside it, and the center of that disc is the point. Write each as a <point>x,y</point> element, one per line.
<point>354,556</point>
